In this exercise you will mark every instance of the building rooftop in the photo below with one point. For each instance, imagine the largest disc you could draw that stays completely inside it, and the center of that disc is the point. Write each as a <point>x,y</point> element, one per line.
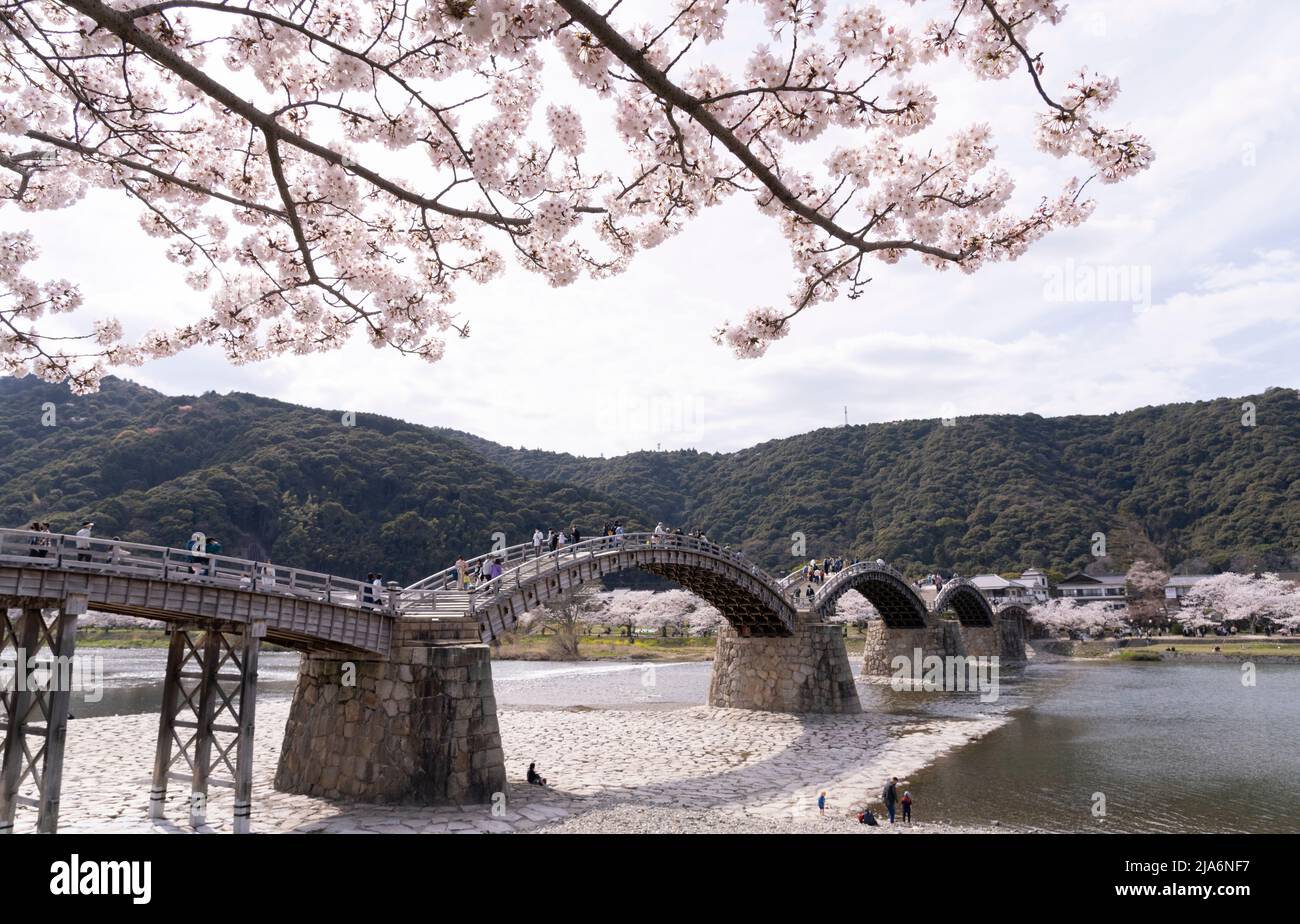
<point>991,582</point>
<point>1106,580</point>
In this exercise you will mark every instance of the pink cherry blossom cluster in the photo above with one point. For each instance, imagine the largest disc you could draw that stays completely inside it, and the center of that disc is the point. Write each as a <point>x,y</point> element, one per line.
<point>1232,597</point>
<point>23,302</point>
<point>678,610</point>
<point>349,166</point>
<point>1066,614</point>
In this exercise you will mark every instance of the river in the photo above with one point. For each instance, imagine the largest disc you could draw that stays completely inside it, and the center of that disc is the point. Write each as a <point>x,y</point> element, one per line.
<point>1170,746</point>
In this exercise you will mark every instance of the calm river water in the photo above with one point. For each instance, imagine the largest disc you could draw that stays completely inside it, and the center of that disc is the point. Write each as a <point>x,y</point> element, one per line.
<point>1170,746</point>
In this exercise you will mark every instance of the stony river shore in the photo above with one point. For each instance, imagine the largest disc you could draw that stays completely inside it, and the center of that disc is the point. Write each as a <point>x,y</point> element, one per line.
<point>682,770</point>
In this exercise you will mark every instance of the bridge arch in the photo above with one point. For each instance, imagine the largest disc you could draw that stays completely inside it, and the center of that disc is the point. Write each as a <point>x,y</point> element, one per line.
<point>970,606</point>
<point>1013,611</point>
<point>900,606</point>
<point>749,599</point>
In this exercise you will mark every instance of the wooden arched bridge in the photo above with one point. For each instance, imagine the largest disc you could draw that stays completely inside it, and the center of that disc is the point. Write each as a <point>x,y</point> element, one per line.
<point>219,609</point>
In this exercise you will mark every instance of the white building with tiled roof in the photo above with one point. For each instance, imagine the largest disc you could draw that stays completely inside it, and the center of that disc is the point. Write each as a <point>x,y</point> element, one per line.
<point>1089,587</point>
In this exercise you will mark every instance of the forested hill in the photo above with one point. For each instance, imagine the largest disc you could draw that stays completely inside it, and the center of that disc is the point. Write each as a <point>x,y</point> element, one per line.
<point>270,480</point>
<point>1187,483</point>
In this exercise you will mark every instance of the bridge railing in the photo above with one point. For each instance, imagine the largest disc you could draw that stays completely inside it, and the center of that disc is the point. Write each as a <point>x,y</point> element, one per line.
<point>833,582</point>
<point>520,565</point>
<point>792,578</point>
<point>27,548</point>
<point>795,576</point>
<point>449,578</point>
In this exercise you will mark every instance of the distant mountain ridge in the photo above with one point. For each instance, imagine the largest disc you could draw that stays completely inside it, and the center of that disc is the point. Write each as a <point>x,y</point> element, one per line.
<point>1186,483</point>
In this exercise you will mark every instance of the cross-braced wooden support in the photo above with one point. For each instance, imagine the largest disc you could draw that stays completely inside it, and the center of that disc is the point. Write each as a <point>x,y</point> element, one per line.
<point>209,702</point>
<point>38,647</point>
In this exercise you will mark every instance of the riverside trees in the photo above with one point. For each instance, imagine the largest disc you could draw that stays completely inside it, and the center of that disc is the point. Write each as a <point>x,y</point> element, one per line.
<point>1251,600</point>
<point>351,165</point>
<point>676,612</point>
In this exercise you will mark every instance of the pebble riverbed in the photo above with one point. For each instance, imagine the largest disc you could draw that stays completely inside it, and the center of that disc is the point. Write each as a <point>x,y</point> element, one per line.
<point>693,769</point>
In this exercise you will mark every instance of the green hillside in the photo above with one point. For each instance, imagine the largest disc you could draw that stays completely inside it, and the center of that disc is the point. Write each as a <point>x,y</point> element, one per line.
<point>271,480</point>
<point>1187,483</point>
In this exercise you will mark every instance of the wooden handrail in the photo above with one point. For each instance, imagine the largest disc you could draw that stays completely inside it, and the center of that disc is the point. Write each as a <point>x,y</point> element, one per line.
<point>417,596</point>
<point>137,559</point>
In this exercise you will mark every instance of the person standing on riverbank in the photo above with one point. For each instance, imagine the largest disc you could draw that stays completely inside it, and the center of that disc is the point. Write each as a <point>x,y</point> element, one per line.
<point>890,795</point>
<point>821,804</point>
<point>907,807</point>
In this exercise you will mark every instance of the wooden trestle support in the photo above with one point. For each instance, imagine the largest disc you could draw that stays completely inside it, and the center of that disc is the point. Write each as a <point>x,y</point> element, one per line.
<point>205,732</point>
<point>209,703</point>
<point>36,651</point>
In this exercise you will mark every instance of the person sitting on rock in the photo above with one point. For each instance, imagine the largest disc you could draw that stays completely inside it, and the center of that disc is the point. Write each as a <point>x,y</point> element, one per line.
<point>534,777</point>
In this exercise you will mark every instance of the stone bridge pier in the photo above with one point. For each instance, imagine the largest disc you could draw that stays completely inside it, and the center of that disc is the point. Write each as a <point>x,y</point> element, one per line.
<point>807,672</point>
<point>1003,638</point>
<point>884,643</point>
<point>418,727</point>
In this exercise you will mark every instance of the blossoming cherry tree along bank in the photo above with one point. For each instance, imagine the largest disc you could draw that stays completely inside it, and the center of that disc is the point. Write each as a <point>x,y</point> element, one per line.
<point>351,165</point>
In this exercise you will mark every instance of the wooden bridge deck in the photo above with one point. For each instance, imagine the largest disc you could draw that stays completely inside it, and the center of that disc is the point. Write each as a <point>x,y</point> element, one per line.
<point>747,596</point>
<point>300,609</point>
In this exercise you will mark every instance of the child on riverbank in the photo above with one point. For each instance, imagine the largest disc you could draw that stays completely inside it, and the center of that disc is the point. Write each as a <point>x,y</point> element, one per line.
<point>907,807</point>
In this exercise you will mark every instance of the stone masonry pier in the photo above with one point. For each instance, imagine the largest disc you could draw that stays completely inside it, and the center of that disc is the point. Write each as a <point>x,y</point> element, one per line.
<point>419,727</point>
<point>807,672</point>
<point>1005,639</point>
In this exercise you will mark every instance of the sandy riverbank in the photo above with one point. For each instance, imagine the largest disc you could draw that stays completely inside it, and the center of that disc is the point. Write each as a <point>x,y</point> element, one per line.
<point>694,769</point>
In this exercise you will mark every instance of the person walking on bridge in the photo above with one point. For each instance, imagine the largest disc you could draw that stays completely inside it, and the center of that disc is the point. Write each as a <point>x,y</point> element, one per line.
<point>538,538</point>
<point>83,540</point>
<point>213,547</point>
<point>551,539</point>
<point>462,572</point>
<point>40,545</point>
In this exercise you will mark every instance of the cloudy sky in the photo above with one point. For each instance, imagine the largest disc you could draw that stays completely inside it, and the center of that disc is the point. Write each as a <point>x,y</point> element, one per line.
<point>1200,256</point>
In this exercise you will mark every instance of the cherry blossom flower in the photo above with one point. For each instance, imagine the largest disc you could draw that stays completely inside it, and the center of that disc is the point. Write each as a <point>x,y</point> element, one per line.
<point>336,169</point>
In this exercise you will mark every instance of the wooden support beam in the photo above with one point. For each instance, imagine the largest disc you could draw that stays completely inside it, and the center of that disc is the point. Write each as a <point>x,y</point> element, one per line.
<point>18,703</point>
<point>64,642</point>
<point>202,753</point>
<point>251,642</point>
<point>162,759</point>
